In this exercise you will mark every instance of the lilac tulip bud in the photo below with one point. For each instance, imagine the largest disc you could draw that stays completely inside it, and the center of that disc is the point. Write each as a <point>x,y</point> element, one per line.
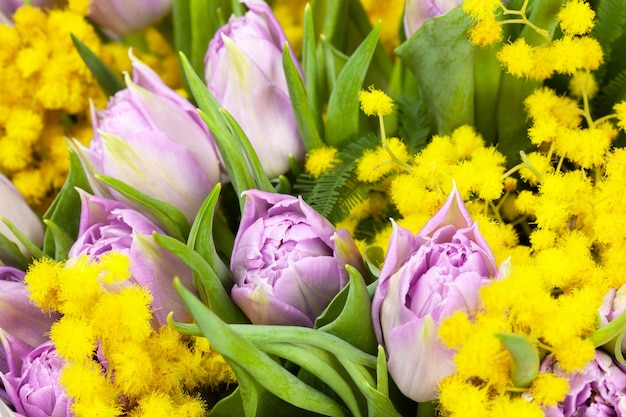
<point>417,12</point>
<point>286,262</point>
<point>36,391</point>
<point>245,74</point>
<point>152,139</point>
<point>107,225</point>
<point>23,326</point>
<point>424,279</point>
<point>124,17</point>
<point>17,211</point>
<point>599,390</point>
<point>8,7</point>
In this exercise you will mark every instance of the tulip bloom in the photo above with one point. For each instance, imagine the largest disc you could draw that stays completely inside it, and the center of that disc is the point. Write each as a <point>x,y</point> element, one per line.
<point>417,12</point>
<point>17,211</point>
<point>23,326</point>
<point>8,7</point>
<point>599,390</point>
<point>154,140</point>
<point>424,279</point>
<point>124,17</point>
<point>288,262</point>
<point>245,74</point>
<point>36,391</point>
<point>107,225</point>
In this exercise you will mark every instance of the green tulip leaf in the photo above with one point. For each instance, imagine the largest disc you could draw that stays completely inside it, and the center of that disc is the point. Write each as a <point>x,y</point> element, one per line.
<point>378,403</point>
<point>24,240</point>
<point>241,354</point>
<point>374,258</point>
<point>318,363</point>
<point>310,68</point>
<point>206,281</point>
<point>440,57</point>
<point>343,114</point>
<point>524,358</point>
<point>610,331</point>
<point>65,209</point>
<point>201,237</point>
<point>261,182</point>
<point>382,377</point>
<point>486,72</point>
<point>11,255</point>
<point>227,142</point>
<point>62,242</point>
<point>107,80</point>
<point>352,305</point>
<point>173,221</point>
<point>305,118</point>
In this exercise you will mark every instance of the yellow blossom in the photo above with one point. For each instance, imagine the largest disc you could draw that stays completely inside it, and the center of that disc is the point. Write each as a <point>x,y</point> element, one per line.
<point>485,32</point>
<point>517,58</point>
<point>576,17</point>
<point>583,83</point>
<point>620,110</point>
<point>375,102</point>
<point>549,389</point>
<point>320,159</point>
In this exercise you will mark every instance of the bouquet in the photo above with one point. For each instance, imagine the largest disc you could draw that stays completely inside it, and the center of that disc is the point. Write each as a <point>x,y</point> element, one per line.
<point>338,208</point>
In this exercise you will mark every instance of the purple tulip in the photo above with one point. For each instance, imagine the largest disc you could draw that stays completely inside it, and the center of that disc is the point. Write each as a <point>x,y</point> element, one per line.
<point>35,391</point>
<point>424,279</point>
<point>124,17</point>
<point>8,7</point>
<point>598,391</point>
<point>107,225</point>
<point>17,211</point>
<point>419,11</point>
<point>288,262</point>
<point>154,140</point>
<point>22,325</point>
<point>245,74</point>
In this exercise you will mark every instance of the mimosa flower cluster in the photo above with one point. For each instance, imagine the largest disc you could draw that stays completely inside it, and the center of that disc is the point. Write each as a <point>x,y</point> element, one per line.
<point>342,208</point>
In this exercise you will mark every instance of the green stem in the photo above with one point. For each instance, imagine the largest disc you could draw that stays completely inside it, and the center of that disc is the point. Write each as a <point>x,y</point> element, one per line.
<point>427,409</point>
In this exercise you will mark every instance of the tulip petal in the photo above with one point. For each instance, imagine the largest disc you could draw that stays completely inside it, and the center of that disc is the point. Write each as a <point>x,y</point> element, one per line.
<point>155,268</point>
<point>419,377</point>
<point>17,211</point>
<point>141,163</point>
<point>263,308</point>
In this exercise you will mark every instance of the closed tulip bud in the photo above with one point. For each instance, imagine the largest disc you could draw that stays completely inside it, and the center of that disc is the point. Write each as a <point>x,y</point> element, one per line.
<point>16,210</point>
<point>153,139</point>
<point>124,17</point>
<point>288,262</point>
<point>107,225</point>
<point>417,12</point>
<point>424,279</point>
<point>245,74</point>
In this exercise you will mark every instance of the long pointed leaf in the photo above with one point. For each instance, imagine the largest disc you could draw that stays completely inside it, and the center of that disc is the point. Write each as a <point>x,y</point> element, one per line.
<point>259,177</point>
<point>215,295</point>
<point>65,209</point>
<point>237,168</point>
<point>342,118</point>
<point>201,237</point>
<point>268,373</point>
<point>305,117</point>
<point>106,79</point>
<point>173,221</point>
<point>32,248</point>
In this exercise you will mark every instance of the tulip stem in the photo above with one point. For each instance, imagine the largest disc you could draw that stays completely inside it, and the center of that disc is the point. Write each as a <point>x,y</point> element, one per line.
<point>427,409</point>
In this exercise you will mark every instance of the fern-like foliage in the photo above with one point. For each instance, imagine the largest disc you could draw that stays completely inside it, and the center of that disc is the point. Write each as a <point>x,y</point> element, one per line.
<point>338,190</point>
